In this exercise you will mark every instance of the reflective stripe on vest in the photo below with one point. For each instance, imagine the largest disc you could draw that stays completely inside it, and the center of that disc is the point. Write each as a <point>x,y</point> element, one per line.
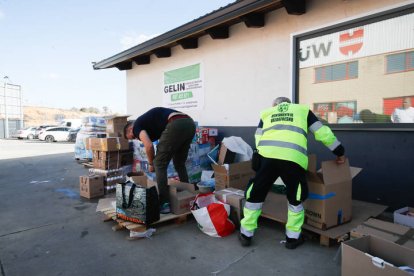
<point>325,135</point>
<point>283,145</point>
<point>284,133</point>
<point>286,127</point>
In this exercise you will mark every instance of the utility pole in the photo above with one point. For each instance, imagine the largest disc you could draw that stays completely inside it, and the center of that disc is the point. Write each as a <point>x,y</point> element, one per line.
<point>6,118</point>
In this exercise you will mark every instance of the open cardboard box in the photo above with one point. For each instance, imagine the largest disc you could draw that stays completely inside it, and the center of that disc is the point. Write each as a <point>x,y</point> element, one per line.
<point>373,256</point>
<point>115,125</point>
<point>399,234</point>
<point>236,175</point>
<point>181,194</point>
<point>330,193</point>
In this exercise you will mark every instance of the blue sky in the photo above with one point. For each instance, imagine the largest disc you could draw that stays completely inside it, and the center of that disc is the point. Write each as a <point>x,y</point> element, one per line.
<point>48,46</point>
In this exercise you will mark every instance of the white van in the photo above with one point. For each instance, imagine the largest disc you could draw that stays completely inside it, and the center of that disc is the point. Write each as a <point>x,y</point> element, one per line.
<point>71,123</point>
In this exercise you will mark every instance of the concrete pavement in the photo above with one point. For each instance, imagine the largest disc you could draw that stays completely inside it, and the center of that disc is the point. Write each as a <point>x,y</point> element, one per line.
<point>47,229</point>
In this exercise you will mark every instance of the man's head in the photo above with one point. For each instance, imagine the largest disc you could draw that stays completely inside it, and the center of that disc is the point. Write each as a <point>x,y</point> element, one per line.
<point>406,102</point>
<point>128,130</point>
<point>280,100</point>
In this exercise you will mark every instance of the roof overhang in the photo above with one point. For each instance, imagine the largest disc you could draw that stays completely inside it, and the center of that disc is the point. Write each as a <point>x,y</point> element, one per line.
<point>216,24</point>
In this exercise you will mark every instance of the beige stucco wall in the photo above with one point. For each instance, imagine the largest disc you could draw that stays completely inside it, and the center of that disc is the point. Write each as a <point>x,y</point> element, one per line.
<point>242,74</point>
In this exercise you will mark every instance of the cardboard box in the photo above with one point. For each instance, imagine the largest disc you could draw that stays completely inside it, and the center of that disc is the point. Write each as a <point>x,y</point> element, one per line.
<point>105,155</point>
<point>330,194</point>
<point>235,198</point>
<point>141,179</point>
<point>225,156</point>
<point>108,160</point>
<point>181,194</point>
<point>115,125</point>
<point>404,216</point>
<point>91,186</point>
<point>399,234</point>
<point>373,256</point>
<point>236,176</point>
<point>107,144</point>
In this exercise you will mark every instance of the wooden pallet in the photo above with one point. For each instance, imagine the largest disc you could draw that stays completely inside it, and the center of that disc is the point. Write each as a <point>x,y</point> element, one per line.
<point>110,215</point>
<point>88,164</point>
<point>275,208</point>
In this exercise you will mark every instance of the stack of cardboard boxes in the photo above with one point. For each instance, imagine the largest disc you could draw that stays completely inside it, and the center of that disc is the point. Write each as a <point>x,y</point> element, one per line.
<point>111,155</point>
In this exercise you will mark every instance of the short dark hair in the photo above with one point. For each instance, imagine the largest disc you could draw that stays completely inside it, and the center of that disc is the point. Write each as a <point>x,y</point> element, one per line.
<point>129,123</point>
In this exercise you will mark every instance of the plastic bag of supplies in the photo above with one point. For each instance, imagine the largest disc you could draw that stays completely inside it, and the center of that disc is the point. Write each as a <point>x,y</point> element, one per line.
<point>212,215</point>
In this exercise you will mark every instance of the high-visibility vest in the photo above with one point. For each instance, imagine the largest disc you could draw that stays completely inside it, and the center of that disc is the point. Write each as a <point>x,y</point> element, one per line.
<point>284,133</point>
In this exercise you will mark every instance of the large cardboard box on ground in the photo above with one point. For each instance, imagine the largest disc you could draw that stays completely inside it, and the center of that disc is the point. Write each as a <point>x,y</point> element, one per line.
<point>181,194</point>
<point>236,175</point>
<point>91,186</point>
<point>373,256</point>
<point>399,234</point>
<point>115,125</point>
<point>404,216</point>
<point>330,193</point>
<point>235,198</point>
<point>107,144</point>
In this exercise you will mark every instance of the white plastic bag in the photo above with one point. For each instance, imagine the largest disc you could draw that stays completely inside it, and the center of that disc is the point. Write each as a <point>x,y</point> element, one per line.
<point>243,151</point>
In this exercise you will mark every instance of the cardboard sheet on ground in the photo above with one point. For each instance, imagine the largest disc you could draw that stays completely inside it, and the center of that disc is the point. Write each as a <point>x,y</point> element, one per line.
<point>361,211</point>
<point>105,203</point>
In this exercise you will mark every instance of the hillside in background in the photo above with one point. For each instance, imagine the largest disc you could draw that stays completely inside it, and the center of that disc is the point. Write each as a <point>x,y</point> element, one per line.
<point>35,115</point>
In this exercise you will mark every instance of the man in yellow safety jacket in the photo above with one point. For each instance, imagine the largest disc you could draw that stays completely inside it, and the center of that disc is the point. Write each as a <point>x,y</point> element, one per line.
<point>281,140</point>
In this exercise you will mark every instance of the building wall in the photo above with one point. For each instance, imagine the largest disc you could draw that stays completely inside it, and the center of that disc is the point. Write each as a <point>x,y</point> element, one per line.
<point>244,73</point>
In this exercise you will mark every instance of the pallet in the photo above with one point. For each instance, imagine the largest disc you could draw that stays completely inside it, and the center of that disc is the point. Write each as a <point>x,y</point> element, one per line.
<point>110,215</point>
<point>275,208</point>
<point>88,164</point>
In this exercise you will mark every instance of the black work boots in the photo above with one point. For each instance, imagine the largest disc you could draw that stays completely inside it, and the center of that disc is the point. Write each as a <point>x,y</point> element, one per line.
<point>245,240</point>
<point>293,243</point>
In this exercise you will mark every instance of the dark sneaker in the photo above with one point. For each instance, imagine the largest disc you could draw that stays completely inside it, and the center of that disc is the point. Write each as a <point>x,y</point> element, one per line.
<point>293,243</point>
<point>245,240</point>
<point>165,208</point>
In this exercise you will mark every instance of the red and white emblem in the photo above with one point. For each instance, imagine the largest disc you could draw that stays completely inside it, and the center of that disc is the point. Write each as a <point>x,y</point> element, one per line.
<point>350,42</point>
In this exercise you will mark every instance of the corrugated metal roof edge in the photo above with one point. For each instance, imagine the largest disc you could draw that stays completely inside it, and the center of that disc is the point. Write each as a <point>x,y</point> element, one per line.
<point>214,18</point>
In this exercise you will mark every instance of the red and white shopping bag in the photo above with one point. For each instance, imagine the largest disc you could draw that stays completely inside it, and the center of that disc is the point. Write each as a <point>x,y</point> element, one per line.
<point>212,215</point>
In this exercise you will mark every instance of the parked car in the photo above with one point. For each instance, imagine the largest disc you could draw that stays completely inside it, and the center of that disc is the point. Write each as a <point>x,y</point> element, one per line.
<point>40,128</point>
<point>54,134</point>
<point>28,133</point>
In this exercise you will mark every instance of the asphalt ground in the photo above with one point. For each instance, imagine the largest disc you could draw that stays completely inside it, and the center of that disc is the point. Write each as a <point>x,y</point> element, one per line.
<point>46,228</point>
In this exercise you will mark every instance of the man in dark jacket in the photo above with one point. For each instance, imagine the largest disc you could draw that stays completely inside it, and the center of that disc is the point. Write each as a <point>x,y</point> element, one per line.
<point>175,132</point>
